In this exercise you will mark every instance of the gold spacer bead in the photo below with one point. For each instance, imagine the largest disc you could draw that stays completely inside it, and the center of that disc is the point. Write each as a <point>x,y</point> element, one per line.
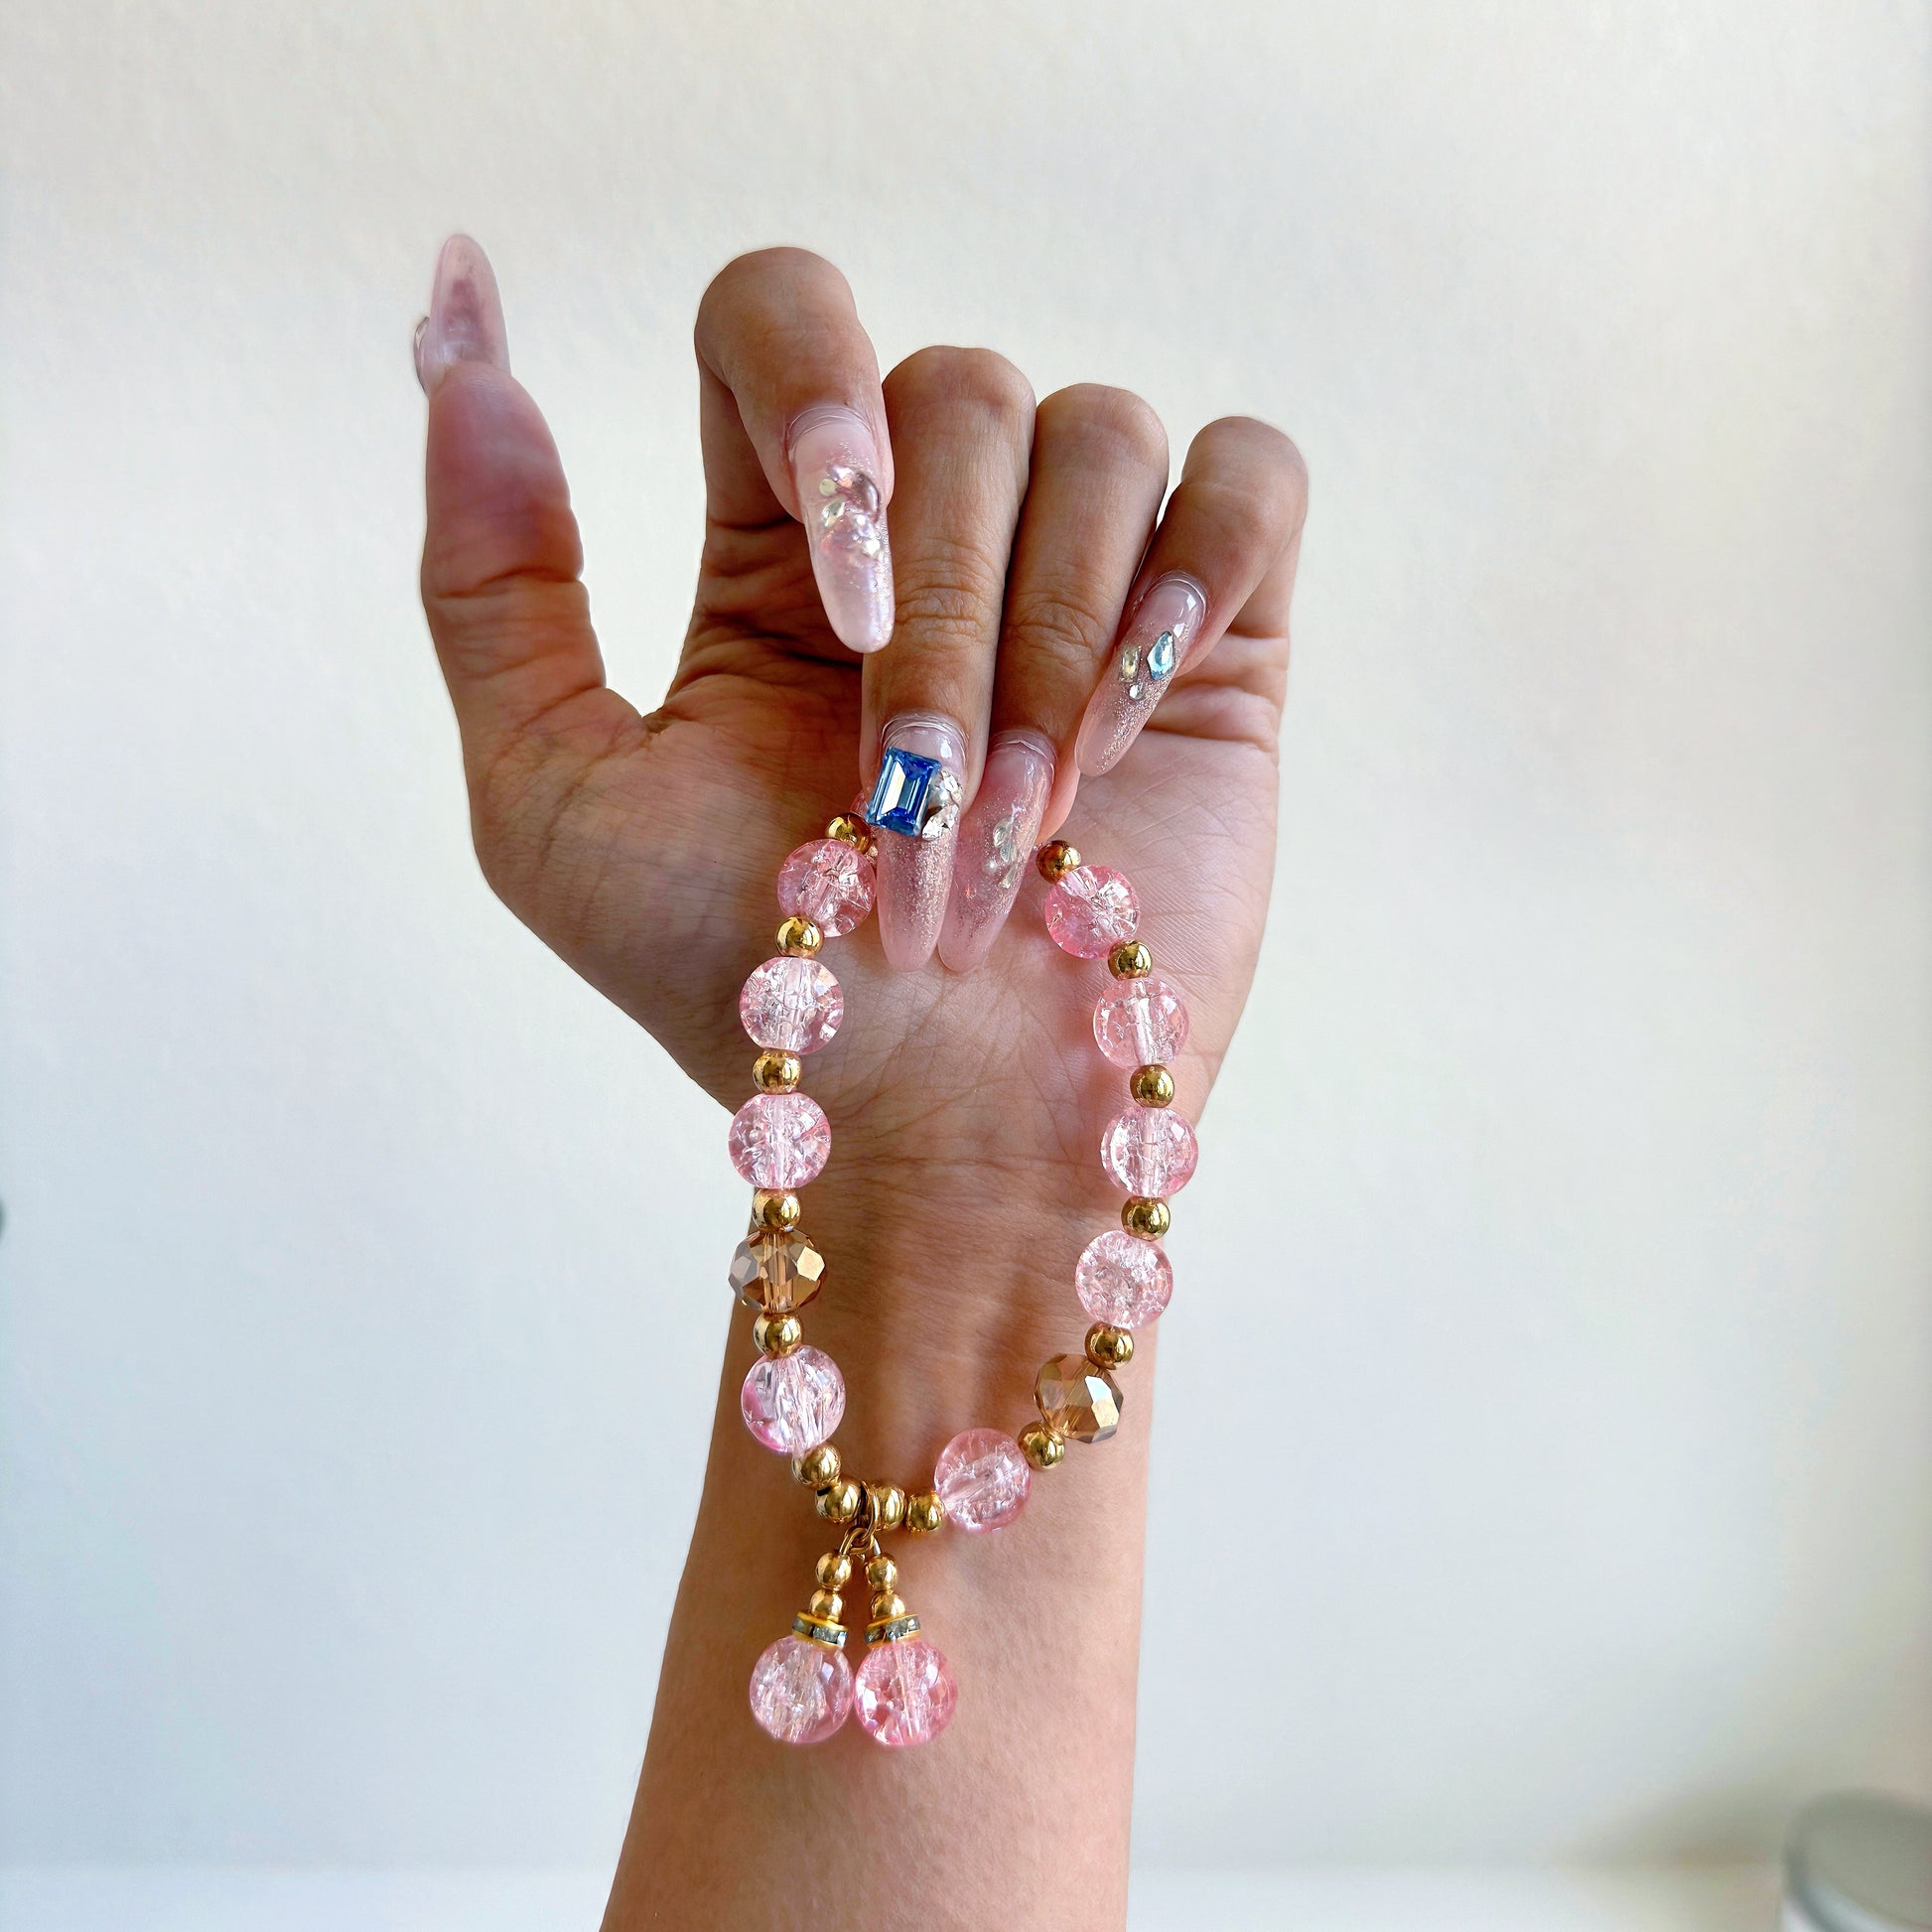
<point>849,829</point>
<point>887,1608</point>
<point>833,1570</point>
<point>838,1500</point>
<point>925,1513</point>
<point>1146,1216</point>
<point>774,1210</point>
<point>777,1334</point>
<point>817,1466</point>
<point>1130,960</point>
<point>882,1573</point>
<point>799,937</point>
<point>826,1606</point>
<point>1055,861</point>
<point>1042,1448</point>
<point>888,1504</point>
<point>776,1073</point>
<point>1109,1347</point>
<point>1151,1086</point>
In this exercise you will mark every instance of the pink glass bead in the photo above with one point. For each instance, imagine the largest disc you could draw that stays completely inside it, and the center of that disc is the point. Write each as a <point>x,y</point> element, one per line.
<point>1149,1150</point>
<point>800,1692</point>
<point>781,1140</point>
<point>792,1403</point>
<point>829,883</point>
<point>1123,1281</point>
<point>981,1477</point>
<point>906,1692</point>
<point>1092,910</point>
<point>1141,1022</point>
<point>791,1004</point>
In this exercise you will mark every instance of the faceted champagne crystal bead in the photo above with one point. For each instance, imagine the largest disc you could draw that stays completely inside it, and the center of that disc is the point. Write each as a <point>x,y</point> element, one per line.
<point>777,1272</point>
<point>800,1692</point>
<point>981,1477</point>
<point>792,1403</point>
<point>905,1692</point>
<point>1123,1281</point>
<point>829,883</point>
<point>793,1005</point>
<point>781,1140</point>
<point>1092,910</point>
<point>1141,1022</point>
<point>1077,1399</point>
<point>1149,1150</point>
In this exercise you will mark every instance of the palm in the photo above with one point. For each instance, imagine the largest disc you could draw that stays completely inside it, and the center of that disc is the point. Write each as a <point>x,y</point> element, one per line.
<point>645,849</point>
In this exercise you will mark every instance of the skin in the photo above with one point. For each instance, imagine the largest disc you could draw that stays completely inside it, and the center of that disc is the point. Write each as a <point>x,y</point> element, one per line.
<point>966,1108</point>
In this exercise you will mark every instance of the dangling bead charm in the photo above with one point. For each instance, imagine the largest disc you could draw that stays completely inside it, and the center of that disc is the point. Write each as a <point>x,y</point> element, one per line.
<point>801,1686</point>
<point>905,1690</point>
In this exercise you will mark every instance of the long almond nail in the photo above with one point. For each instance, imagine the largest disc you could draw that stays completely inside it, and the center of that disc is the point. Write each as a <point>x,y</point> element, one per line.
<point>465,323</point>
<point>914,808</point>
<point>835,467</point>
<point>1152,645</point>
<point>996,842</point>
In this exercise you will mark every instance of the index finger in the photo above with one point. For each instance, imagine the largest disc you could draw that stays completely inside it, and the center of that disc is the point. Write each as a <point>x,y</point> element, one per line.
<point>793,423</point>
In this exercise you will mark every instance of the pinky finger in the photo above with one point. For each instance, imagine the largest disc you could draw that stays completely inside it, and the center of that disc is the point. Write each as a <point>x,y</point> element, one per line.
<point>1224,551</point>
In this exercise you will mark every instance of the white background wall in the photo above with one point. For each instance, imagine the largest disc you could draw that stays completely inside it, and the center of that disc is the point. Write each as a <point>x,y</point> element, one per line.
<point>1550,1378</point>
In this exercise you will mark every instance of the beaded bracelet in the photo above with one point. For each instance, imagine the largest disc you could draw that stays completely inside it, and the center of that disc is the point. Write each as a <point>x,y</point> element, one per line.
<point>802,1686</point>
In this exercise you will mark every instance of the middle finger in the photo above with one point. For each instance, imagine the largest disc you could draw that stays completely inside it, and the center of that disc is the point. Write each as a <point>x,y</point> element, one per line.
<point>961,426</point>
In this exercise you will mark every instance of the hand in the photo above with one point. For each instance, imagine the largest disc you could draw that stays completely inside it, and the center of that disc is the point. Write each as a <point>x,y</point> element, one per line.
<point>643,848</point>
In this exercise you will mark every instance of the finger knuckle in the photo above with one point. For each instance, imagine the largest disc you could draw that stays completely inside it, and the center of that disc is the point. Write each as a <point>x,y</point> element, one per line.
<point>1124,426</point>
<point>950,591</point>
<point>1061,620</point>
<point>1269,466</point>
<point>978,381</point>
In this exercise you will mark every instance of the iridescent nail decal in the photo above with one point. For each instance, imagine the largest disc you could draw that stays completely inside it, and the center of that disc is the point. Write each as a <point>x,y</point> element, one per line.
<point>835,467</point>
<point>996,845</point>
<point>915,806</point>
<point>1153,646</point>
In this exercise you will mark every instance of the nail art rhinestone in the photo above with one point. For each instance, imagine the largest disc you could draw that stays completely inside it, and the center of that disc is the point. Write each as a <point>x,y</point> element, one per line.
<point>1160,656</point>
<point>848,518</point>
<point>914,795</point>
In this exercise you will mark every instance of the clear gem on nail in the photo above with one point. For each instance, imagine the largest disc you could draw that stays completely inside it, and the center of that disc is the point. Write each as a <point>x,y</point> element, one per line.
<point>1161,655</point>
<point>915,796</point>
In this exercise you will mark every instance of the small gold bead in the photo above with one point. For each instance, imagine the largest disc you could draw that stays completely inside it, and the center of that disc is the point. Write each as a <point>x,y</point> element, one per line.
<point>1151,1086</point>
<point>838,1500</point>
<point>817,1466</point>
<point>1130,960</point>
<point>1109,1347</point>
<point>849,830</point>
<point>776,1073</point>
<point>774,1210</point>
<point>882,1573</point>
<point>1042,1447</point>
<point>799,937</point>
<point>833,1570</point>
<point>1148,1217</point>
<point>1055,861</point>
<point>925,1513</point>
<point>826,1603</point>
<point>888,1504</point>
<point>886,1607</point>
<point>778,1334</point>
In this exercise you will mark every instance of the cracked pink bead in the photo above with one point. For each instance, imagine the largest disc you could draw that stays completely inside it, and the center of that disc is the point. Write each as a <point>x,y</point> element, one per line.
<point>1123,1281</point>
<point>983,1478</point>
<point>779,1140</point>
<point>1149,1150</point>
<point>905,1692</point>
<point>1092,910</point>
<point>1141,1022</point>
<point>829,883</point>
<point>791,1004</point>
<point>801,1691</point>
<point>792,1403</point>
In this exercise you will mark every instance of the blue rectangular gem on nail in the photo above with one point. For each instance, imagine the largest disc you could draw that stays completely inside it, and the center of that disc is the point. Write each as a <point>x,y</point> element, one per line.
<point>899,800</point>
